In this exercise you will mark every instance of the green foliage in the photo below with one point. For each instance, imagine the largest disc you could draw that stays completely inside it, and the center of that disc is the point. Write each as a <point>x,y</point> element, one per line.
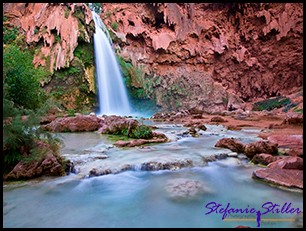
<point>57,38</point>
<point>79,14</point>
<point>114,25</point>
<point>289,106</point>
<point>9,33</point>
<point>85,53</point>
<point>24,102</point>
<point>35,31</point>
<point>108,14</point>
<point>142,132</point>
<point>67,11</point>
<point>270,104</point>
<point>71,112</point>
<point>298,110</point>
<point>21,78</point>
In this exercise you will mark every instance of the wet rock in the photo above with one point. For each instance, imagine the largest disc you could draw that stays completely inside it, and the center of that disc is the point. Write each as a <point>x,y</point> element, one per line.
<point>184,189</point>
<point>293,118</point>
<point>153,166</point>
<point>296,152</point>
<point>231,144</point>
<point>258,147</point>
<point>232,154</point>
<point>291,178</point>
<point>74,124</point>
<point>197,116</point>
<point>50,165</point>
<point>96,172</point>
<point>214,157</point>
<point>70,167</point>
<point>138,142</point>
<point>116,124</point>
<point>292,142</point>
<point>265,159</point>
<point>288,163</point>
<point>217,119</point>
<point>233,128</point>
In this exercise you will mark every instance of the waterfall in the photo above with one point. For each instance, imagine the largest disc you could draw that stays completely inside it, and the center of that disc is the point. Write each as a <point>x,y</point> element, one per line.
<point>113,98</point>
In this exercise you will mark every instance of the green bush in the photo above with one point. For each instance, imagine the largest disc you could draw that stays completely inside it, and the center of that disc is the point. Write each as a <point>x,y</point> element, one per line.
<point>9,34</point>
<point>114,25</point>
<point>270,104</point>
<point>23,102</point>
<point>142,132</point>
<point>20,78</point>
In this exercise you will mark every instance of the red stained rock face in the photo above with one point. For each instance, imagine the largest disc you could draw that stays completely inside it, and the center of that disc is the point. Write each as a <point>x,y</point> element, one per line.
<point>288,163</point>
<point>218,52</point>
<point>293,142</point>
<point>231,144</point>
<point>74,124</point>
<point>265,159</point>
<point>284,177</point>
<point>48,22</point>
<point>252,149</point>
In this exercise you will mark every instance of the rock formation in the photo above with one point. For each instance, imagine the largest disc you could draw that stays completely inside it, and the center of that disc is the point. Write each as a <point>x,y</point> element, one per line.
<point>60,37</point>
<point>210,56</point>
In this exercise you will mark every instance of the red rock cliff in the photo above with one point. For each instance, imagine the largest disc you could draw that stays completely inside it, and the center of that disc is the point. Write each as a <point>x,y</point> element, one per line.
<point>212,52</point>
<point>55,27</point>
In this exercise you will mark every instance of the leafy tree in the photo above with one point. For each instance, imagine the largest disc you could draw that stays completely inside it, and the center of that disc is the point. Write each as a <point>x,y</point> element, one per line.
<point>20,78</point>
<point>23,102</point>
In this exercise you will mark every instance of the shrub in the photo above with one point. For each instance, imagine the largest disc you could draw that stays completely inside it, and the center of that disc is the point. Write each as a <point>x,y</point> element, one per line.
<point>20,78</point>
<point>114,25</point>
<point>142,132</point>
<point>270,104</point>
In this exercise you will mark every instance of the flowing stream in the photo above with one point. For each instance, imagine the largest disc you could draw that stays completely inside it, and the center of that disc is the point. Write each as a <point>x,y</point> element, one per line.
<point>134,198</point>
<point>112,94</point>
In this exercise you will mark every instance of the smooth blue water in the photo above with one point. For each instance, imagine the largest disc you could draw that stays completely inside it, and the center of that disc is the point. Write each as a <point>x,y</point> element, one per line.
<point>112,93</point>
<point>141,198</point>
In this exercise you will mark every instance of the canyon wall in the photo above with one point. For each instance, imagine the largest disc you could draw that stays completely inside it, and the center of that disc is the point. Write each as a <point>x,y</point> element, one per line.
<point>210,56</point>
<point>60,37</point>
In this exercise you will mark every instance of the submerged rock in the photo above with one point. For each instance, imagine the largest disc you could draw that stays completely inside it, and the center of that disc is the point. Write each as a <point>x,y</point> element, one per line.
<point>153,165</point>
<point>184,189</point>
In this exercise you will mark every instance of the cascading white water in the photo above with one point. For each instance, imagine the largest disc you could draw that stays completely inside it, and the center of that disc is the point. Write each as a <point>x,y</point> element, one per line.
<point>112,93</point>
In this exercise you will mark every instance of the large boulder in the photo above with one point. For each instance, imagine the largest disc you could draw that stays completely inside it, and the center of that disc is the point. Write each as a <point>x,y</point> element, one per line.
<point>292,162</point>
<point>265,159</point>
<point>77,123</point>
<point>291,178</point>
<point>258,147</point>
<point>294,143</point>
<point>50,165</point>
<point>116,124</point>
<point>231,144</point>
